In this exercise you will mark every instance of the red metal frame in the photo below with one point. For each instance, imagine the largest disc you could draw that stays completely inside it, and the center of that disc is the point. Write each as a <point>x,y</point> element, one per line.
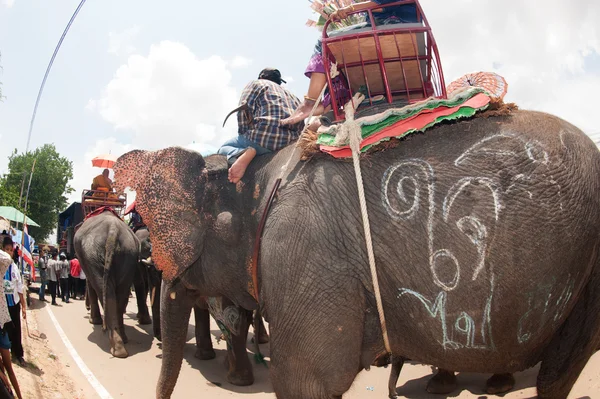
<point>432,84</point>
<point>95,199</point>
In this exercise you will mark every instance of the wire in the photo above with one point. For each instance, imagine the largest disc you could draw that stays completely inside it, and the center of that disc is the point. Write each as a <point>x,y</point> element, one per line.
<point>37,101</point>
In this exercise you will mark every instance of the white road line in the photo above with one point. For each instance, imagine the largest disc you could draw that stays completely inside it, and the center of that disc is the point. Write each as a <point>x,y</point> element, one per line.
<point>100,390</point>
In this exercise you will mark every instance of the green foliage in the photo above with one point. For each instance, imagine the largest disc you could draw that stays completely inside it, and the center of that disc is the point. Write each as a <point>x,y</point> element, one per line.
<point>49,186</point>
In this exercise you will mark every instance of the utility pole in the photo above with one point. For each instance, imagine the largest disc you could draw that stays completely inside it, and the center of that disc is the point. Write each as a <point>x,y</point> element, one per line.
<point>25,211</point>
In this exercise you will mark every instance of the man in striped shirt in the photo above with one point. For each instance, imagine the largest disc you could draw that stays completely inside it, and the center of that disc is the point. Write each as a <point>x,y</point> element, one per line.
<point>263,104</point>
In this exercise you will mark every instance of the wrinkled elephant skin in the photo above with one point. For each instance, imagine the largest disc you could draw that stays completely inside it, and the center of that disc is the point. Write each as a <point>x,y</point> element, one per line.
<point>486,235</point>
<point>108,252</point>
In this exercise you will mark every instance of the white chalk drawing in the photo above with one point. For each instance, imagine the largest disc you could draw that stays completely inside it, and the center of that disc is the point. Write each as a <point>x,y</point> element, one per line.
<point>410,186</point>
<point>545,308</point>
<point>462,333</point>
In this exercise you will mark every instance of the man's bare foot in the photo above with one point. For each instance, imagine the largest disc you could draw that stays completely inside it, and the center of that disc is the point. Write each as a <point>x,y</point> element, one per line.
<point>237,170</point>
<point>300,113</point>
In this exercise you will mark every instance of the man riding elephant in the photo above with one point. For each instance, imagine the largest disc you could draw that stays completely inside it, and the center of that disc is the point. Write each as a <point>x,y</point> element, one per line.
<point>264,102</point>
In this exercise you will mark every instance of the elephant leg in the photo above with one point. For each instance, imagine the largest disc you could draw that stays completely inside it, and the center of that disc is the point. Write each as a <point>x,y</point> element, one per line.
<point>141,293</point>
<point>573,344</point>
<point>239,367</point>
<point>442,383</point>
<point>500,383</point>
<point>113,315</point>
<point>263,337</point>
<point>397,363</point>
<point>204,345</point>
<point>175,308</point>
<point>92,297</point>
<point>155,303</point>
<point>316,353</point>
<point>123,299</point>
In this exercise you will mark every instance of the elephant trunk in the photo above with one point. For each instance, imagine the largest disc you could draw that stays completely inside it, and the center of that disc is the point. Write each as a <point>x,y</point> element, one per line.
<point>175,310</point>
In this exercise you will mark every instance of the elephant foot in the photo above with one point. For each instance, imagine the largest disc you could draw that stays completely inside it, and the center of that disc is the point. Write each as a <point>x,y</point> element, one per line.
<point>205,354</point>
<point>119,352</point>
<point>240,378</point>
<point>158,336</point>
<point>97,321</point>
<point>144,320</point>
<point>500,383</point>
<point>444,382</point>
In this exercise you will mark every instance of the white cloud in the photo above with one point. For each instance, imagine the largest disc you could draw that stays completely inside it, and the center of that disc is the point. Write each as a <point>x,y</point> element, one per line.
<point>170,98</point>
<point>121,43</point>
<point>239,62</point>
<point>8,3</point>
<point>538,46</point>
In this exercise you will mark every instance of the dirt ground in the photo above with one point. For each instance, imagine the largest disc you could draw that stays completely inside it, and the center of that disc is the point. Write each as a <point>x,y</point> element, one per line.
<point>44,375</point>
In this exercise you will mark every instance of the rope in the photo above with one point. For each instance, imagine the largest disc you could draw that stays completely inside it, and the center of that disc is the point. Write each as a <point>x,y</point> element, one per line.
<point>355,133</point>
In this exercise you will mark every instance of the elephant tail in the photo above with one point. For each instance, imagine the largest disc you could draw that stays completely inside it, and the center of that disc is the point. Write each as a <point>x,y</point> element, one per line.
<point>109,252</point>
<point>258,356</point>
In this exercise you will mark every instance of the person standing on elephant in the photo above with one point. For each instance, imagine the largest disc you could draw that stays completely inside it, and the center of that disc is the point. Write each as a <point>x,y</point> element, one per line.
<point>64,277</point>
<point>263,104</point>
<point>74,277</point>
<point>13,290</point>
<point>43,266</point>
<point>53,274</point>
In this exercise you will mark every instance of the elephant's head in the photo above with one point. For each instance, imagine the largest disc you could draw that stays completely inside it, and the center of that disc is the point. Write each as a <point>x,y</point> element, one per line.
<point>170,186</point>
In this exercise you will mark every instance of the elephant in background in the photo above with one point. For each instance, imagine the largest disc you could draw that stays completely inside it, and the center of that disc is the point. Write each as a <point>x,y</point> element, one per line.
<point>475,270</point>
<point>108,252</point>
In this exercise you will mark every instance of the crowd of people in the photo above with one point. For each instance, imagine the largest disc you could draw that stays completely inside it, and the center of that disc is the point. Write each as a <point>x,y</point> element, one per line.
<point>63,277</point>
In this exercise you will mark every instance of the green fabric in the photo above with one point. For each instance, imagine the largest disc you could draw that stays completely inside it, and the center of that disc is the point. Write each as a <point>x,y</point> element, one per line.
<point>464,112</point>
<point>393,116</point>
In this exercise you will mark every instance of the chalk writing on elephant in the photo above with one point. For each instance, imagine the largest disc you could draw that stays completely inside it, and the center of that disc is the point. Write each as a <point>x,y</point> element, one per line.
<point>411,192</point>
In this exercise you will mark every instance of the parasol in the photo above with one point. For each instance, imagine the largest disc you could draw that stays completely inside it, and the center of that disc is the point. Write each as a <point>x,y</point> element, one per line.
<point>491,82</point>
<point>106,161</point>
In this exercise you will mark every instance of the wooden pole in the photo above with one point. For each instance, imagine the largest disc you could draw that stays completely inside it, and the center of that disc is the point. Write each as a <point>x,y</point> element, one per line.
<point>25,209</point>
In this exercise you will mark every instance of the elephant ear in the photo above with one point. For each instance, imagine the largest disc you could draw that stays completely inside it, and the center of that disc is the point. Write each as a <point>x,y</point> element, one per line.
<point>170,187</point>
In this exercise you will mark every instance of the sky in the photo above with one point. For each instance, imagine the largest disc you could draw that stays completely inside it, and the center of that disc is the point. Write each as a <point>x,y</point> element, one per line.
<point>151,74</point>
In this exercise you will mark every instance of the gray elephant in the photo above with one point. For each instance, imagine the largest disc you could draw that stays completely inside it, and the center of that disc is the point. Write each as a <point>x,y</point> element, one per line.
<point>109,253</point>
<point>486,235</point>
<point>239,368</point>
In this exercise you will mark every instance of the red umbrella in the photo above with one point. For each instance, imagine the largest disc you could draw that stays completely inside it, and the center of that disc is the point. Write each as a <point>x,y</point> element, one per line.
<point>491,82</point>
<point>106,161</point>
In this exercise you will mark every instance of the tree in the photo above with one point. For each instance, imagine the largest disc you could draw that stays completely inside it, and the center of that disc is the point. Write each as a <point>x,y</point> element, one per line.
<point>49,186</point>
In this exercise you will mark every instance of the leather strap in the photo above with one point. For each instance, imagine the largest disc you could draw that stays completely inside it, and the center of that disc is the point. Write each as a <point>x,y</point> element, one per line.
<point>259,232</point>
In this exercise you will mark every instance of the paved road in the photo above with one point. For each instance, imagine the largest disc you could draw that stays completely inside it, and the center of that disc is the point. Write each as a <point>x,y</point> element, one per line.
<point>135,376</point>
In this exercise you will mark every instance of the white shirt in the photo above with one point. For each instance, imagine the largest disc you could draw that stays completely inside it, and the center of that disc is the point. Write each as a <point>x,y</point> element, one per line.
<point>5,262</point>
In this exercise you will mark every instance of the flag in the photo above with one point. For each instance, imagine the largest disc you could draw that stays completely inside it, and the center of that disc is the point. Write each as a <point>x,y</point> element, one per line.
<point>25,251</point>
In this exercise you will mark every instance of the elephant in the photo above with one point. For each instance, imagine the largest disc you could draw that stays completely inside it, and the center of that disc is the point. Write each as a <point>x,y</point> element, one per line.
<point>109,253</point>
<point>141,280</point>
<point>485,233</point>
<point>239,369</point>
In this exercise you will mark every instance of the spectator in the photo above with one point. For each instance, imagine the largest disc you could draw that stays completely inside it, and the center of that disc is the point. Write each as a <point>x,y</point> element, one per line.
<point>53,276</point>
<point>13,290</point>
<point>74,279</point>
<point>43,266</point>
<point>64,277</point>
<point>6,323</point>
<point>82,286</point>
